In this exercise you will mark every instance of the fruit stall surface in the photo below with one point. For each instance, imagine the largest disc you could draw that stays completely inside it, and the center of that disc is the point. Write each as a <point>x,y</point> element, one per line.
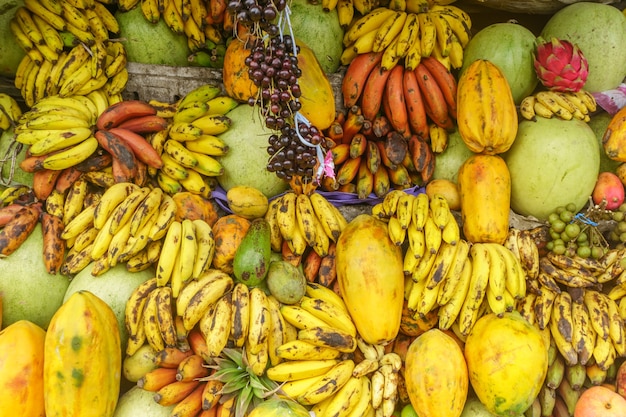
<point>214,208</point>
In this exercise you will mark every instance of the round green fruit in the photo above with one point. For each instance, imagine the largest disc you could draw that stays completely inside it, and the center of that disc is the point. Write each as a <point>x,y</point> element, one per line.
<point>27,290</point>
<point>552,162</point>
<point>447,163</point>
<point>285,282</point>
<point>276,407</point>
<point>599,30</point>
<point>598,123</point>
<point>246,161</point>
<point>10,52</point>
<point>474,408</point>
<point>320,31</point>
<point>114,287</point>
<point>149,43</point>
<point>139,402</point>
<point>510,46</point>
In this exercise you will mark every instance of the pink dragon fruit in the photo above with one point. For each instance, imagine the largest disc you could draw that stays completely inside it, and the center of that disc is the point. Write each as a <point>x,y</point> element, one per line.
<point>560,65</point>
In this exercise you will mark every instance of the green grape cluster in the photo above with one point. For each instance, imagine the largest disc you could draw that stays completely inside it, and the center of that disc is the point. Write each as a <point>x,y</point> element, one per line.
<point>575,233</point>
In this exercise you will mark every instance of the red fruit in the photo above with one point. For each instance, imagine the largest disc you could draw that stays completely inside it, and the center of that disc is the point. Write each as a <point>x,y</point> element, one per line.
<point>608,188</point>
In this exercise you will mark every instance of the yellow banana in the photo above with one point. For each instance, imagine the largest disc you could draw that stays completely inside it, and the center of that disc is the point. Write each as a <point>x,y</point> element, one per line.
<point>171,246</point>
<point>215,325</point>
<point>259,328</point>
<point>72,155</point>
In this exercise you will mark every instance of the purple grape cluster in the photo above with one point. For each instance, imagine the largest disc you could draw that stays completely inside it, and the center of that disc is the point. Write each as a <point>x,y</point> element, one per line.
<point>290,156</point>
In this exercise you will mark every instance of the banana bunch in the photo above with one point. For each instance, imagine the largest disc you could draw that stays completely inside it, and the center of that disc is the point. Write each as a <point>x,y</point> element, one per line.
<point>79,71</point>
<point>586,326</point>
<point>201,21</point>
<point>10,112</point>
<point>180,384</point>
<point>58,131</point>
<point>304,221</point>
<point>154,316</point>
<point>562,386</point>
<point>189,145</point>
<point>409,100</point>
<point>564,105</point>
<point>17,224</point>
<point>122,131</point>
<point>190,246</point>
<point>212,57</point>
<point>38,27</point>
<point>312,367</point>
<point>126,223</point>
<point>320,269</point>
<point>14,194</point>
<point>407,32</point>
<point>372,158</point>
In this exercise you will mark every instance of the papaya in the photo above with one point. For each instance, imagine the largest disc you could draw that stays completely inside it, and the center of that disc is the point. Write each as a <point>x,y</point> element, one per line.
<point>317,99</point>
<point>252,257</point>
<point>21,369</point>
<point>486,112</point>
<point>507,361</point>
<point>436,387</point>
<point>484,185</point>
<point>228,232</point>
<point>82,359</point>
<point>371,278</point>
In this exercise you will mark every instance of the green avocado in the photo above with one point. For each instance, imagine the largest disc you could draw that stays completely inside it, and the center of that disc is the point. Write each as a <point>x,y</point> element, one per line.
<point>252,258</point>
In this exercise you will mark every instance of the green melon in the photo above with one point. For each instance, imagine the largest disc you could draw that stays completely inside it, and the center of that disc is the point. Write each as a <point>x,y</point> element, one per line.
<point>246,161</point>
<point>27,290</point>
<point>599,30</point>
<point>447,163</point>
<point>10,53</point>
<point>320,31</point>
<point>510,46</point>
<point>148,43</point>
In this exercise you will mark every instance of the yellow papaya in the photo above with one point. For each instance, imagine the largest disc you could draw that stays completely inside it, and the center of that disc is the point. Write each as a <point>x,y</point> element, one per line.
<point>371,278</point>
<point>317,99</point>
<point>21,369</point>
<point>436,387</point>
<point>507,361</point>
<point>82,359</point>
<point>485,191</point>
<point>486,112</point>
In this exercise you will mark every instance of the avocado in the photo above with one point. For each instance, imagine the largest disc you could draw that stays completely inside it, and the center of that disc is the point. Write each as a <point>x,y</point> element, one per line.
<point>252,258</point>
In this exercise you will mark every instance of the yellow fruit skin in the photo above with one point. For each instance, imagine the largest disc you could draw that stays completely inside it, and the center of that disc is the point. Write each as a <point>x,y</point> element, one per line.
<point>436,387</point>
<point>614,139</point>
<point>371,278</point>
<point>82,359</point>
<point>485,189</point>
<point>507,360</point>
<point>21,369</point>
<point>247,202</point>
<point>486,113</point>
<point>318,102</point>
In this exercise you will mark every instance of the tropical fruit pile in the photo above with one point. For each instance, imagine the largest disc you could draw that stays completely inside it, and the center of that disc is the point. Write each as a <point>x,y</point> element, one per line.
<point>252,302</point>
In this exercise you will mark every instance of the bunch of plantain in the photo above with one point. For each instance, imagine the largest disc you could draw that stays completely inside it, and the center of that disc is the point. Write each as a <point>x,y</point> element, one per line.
<point>565,105</point>
<point>373,158</point>
<point>68,50</point>
<point>188,147</point>
<point>404,32</point>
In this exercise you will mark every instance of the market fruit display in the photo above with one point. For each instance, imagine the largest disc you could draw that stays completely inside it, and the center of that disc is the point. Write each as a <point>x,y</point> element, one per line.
<point>312,230</point>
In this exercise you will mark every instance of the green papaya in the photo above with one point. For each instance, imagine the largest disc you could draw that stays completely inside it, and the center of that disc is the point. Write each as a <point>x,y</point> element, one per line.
<point>252,258</point>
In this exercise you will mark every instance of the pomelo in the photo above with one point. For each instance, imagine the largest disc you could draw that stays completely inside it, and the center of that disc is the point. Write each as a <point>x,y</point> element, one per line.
<point>599,30</point>
<point>27,290</point>
<point>10,52</point>
<point>553,162</point>
<point>148,43</point>
<point>139,402</point>
<point>510,46</point>
<point>113,287</point>
<point>447,163</point>
<point>246,161</point>
<point>320,31</point>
